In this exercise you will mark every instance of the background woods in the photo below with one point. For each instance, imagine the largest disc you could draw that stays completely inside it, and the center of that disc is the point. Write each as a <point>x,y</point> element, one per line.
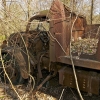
<point>14,14</point>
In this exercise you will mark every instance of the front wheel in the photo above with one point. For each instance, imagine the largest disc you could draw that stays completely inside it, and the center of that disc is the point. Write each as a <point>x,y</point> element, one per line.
<point>12,70</point>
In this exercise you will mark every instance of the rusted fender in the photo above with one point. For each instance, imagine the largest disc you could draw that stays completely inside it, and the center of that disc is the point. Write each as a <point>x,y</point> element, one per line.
<point>21,62</point>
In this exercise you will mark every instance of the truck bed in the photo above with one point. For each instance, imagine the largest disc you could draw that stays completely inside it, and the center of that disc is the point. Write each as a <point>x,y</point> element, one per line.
<point>86,63</point>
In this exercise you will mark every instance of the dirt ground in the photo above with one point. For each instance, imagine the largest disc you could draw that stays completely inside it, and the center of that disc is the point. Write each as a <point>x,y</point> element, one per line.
<point>44,94</point>
<point>6,93</point>
<point>50,91</point>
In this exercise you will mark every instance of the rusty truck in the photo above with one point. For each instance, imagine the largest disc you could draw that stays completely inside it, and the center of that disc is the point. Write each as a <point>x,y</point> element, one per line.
<point>68,43</point>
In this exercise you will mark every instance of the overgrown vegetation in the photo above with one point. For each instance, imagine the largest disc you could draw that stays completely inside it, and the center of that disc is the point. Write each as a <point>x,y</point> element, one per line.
<point>14,14</point>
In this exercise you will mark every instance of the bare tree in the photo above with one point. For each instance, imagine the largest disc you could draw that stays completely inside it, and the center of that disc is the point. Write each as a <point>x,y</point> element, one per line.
<point>92,3</point>
<point>28,8</point>
<point>4,5</point>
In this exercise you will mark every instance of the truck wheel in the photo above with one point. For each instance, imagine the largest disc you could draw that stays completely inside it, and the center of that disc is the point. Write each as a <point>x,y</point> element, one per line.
<point>12,69</point>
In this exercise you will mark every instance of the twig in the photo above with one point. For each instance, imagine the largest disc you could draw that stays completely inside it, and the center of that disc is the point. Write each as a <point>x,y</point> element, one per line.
<point>73,66</point>
<point>61,94</point>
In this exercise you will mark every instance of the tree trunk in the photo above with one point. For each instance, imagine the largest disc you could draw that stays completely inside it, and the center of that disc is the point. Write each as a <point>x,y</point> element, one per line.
<point>92,3</point>
<point>5,15</point>
<point>4,5</point>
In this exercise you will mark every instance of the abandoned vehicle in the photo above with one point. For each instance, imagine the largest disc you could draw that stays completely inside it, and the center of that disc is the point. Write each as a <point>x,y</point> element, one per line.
<point>68,43</point>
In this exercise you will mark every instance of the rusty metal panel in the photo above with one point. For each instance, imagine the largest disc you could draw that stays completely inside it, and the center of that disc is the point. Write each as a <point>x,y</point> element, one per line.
<point>98,51</point>
<point>86,63</point>
<point>52,43</point>
<point>91,31</point>
<point>58,28</point>
<point>61,75</point>
<point>88,81</point>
